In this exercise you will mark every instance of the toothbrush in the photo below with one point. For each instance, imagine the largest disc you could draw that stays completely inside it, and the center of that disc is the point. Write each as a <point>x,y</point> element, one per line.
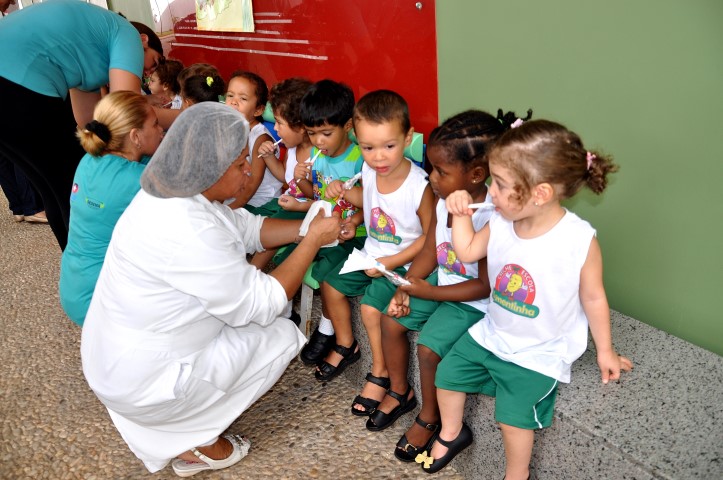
<point>275,144</point>
<point>350,183</point>
<point>311,162</point>
<point>481,205</point>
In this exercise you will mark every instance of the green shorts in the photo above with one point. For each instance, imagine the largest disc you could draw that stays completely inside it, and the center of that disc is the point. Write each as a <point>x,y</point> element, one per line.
<point>377,291</point>
<point>265,210</point>
<point>524,398</point>
<point>440,323</point>
<point>327,258</point>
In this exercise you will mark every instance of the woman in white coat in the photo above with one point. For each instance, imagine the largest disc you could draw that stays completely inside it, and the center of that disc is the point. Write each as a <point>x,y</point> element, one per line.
<point>182,334</point>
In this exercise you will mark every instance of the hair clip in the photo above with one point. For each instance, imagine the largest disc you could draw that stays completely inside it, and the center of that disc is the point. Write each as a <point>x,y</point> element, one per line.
<point>517,123</point>
<point>209,81</point>
<point>591,157</point>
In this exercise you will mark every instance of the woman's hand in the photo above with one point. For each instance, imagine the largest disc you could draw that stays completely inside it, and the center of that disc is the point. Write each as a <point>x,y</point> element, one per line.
<point>323,229</point>
<point>457,203</point>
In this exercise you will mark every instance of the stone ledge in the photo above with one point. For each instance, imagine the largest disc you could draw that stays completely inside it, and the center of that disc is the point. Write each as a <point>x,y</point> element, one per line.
<point>663,420</point>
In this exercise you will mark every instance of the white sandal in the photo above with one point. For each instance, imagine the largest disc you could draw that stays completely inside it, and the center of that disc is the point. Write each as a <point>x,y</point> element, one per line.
<point>184,468</point>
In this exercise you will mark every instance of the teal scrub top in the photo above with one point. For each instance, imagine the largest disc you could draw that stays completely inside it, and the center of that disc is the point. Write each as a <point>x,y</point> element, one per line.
<point>51,47</point>
<point>102,189</point>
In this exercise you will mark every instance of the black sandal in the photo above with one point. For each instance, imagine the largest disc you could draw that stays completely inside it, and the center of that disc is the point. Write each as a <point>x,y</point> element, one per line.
<point>369,404</point>
<point>463,440</point>
<point>406,452</point>
<point>379,420</point>
<point>327,371</point>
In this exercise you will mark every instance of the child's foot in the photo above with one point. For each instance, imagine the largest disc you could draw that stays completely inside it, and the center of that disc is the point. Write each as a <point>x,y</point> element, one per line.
<point>443,450</point>
<point>380,420</point>
<point>416,440</point>
<point>371,395</point>
<point>337,361</point>
<point>318,347</point>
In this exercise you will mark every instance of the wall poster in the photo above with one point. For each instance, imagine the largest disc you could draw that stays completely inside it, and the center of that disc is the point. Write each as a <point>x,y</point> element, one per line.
<point>225,15</point>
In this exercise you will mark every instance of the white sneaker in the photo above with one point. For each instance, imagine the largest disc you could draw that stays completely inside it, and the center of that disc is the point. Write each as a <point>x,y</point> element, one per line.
<point>184,468</point>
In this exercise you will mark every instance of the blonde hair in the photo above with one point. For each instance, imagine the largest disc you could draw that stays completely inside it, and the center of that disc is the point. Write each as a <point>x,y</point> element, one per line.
<point>119,113</point>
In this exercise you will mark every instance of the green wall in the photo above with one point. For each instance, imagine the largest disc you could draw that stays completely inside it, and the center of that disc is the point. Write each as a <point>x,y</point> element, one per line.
<point>643,81</point>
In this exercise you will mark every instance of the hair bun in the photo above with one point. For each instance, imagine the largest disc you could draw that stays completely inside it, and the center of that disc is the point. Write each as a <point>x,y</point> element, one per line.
<point>99,129</point>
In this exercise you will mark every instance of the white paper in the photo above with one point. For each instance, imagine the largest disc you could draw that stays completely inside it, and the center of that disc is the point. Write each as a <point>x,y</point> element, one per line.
<point>313,211</point>
<point>359,260</point>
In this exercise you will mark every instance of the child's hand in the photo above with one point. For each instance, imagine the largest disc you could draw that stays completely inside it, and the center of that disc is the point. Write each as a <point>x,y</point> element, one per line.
<point>289,203</point>
<point>611,364</point>
<point>267,148</point>
<point>457,203</point>
<point>301,170</point>
<point>418,287</point>
<point>348,229</point>
<point>399,304</point>
<point>334,189</point>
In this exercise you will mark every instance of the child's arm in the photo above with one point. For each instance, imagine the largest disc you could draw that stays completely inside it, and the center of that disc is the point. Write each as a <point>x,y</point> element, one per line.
<point>469,245</point>
<point>425,212</point>
<point>267,151</point>
<point>350,224</point>
<point>291,204</point>
<point>595,304</point>
<point>258,167</point>
<point>354,195</point>
<point>303,175</point>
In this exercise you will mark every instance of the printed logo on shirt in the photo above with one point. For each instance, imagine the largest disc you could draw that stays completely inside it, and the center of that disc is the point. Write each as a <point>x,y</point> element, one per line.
<point>448,261</point>
<point>74,191</point>
<point>515,291</point>
<point>382,227</point>
<point>94,203</point>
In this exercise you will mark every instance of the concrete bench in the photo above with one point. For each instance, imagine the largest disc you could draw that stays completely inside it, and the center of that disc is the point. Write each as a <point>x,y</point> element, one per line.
<point>663,420</point>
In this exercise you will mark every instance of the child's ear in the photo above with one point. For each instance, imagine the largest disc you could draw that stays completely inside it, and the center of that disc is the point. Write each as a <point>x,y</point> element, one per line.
<point>478,174</point>
<point>144,40</point>
<point>542,193</point>
<point>259,110</point>
<point>408,137</point>
<point>348,125</point>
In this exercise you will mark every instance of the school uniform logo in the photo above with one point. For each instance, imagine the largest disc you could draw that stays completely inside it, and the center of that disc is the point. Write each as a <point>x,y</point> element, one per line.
<point>448,261</point>
<point>382,227</point>
<point>515,291</point>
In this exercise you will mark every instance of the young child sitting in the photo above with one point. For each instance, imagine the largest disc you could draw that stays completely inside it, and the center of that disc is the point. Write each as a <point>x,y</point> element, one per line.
<point>285,99</point>
<point>164,82</point>
<point>545,271</point>
<point>398,209</point>
<point>326,110</point>
<point>247,93</point>
<point>455,294</point>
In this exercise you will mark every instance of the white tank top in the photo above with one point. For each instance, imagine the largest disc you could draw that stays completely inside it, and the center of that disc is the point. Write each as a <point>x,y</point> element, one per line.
<point>270,187</point>
<point>535,318</point>
<point>391,218</point>
<point>451,270</point>
<point>291,162</point>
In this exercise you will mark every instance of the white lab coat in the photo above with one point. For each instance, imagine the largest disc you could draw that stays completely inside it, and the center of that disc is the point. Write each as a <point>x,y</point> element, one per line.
<point>182,334</point>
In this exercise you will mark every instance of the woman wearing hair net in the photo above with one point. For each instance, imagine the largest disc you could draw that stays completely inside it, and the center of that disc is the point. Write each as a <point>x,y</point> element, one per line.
<point>182,334</point>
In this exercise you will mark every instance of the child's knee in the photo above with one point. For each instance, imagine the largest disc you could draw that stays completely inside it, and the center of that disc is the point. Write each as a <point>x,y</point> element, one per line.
<point>427,358</point>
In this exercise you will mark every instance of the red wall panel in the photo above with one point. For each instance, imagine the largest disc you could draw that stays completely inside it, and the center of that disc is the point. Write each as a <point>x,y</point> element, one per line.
<point>368,44</point>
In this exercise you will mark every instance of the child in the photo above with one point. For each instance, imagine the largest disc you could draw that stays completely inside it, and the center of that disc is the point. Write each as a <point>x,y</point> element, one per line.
<point>545,270</point>
<point>247,93</point>
<point>398,206</point>
<point>285,98</point>
<point>164,82</point>
<point>455,295</point>
<point>326,112</point>
<point>201,88</point>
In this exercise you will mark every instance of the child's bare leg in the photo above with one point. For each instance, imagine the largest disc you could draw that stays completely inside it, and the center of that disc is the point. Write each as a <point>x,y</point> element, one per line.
<point>518,451</point>
<point>372,319</point>
<point>395,347</point>
<point>428,361</point>
<point>451,409</point>
<point>335,307</point>
<point>261,259</point>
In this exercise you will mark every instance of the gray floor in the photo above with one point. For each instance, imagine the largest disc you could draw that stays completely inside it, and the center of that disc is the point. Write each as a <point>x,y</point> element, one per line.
<point>53,427</point>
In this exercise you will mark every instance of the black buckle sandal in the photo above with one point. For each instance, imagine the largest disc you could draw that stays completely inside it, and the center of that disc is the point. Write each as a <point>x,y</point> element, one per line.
<point>406,452</point>
<point>328,371</point>
<point>369,404</point>
<point>379,420</point>
<point>317,348</point>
